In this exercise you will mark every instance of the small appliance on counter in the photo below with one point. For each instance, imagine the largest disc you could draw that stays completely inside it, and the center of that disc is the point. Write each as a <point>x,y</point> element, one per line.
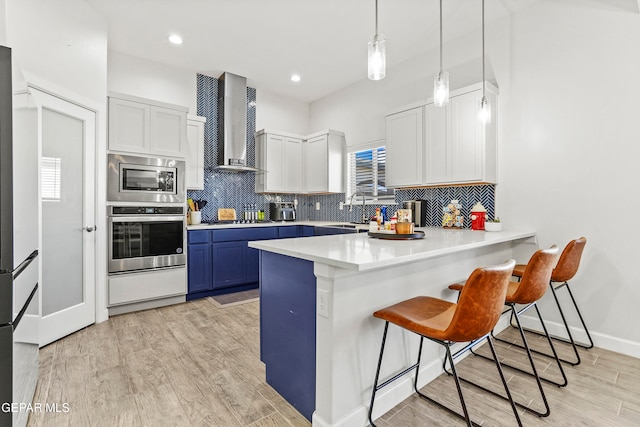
<point>418,211</point>
<point>282,211</point>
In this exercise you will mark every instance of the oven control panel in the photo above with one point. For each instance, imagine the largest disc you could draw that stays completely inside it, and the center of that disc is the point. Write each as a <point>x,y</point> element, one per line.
<point>146,210</point>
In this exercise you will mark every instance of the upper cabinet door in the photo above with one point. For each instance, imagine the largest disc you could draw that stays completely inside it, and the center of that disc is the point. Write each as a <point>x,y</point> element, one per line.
<point>129,126</point>
<point>405,139</point>
<point>292,165</point>
<point>168,132</point>
<point>467,139</point>
<point>194,155</point>
<point>274,156</point>
<point>316,167</point>
<point>437,148</point>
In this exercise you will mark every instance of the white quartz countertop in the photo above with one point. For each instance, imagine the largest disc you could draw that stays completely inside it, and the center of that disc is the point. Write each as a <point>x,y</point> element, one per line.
<point>275,224</point>
<point>361,252</point>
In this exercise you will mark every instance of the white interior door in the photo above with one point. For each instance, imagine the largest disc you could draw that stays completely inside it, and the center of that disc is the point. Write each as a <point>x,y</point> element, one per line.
<point>67,137</point>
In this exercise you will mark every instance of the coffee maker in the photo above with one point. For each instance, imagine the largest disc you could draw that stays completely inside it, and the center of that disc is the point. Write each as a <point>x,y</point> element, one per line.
<point>418,211</point>
<point>282,211</point>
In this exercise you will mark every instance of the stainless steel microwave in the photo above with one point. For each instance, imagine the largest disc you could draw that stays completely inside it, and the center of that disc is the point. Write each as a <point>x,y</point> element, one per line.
<point>145,179</point>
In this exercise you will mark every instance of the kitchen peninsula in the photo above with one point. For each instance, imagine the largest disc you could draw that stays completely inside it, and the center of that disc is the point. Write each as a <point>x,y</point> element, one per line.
<point>319,340</point>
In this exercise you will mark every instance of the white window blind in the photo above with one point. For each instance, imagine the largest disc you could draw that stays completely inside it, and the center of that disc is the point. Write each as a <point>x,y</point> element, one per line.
<point>367,174</point>
<point>50,178</point>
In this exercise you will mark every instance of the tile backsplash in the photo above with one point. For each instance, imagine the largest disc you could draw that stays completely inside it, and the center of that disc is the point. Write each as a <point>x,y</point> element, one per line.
<point>236,190</point>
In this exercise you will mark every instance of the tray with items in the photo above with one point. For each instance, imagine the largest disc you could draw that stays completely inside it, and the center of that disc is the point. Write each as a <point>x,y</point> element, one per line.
<point>395,236</point>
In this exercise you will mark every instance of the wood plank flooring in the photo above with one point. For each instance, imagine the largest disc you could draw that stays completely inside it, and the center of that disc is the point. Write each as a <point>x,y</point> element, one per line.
<point>195,364</point>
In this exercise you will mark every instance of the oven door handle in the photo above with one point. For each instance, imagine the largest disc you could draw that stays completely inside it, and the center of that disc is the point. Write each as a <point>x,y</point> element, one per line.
<point>146,218</point>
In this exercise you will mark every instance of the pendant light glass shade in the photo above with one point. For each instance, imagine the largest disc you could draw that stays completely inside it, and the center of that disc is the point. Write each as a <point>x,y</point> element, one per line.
<point>441,82</point>
<point>441,89</point>
<point>377,57</point>
<point>484,114</point>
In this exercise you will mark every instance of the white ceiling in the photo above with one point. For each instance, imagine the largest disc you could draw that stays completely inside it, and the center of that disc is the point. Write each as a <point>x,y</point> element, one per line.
<point>325,41</point>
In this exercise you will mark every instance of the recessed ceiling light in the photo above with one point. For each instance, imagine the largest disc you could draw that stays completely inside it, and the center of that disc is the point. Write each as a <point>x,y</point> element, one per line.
<point>175,39</point>
<point>295,77</point>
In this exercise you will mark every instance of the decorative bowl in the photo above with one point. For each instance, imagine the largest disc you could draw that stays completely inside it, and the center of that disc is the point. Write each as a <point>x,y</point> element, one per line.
<point>493,226</point>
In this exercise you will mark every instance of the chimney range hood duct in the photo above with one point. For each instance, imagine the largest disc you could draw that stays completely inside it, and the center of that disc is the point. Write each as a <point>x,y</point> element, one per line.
<point>232,124</point>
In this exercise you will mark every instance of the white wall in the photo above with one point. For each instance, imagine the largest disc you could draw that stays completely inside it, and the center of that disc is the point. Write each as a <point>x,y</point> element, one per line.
<point>570,148</point>
<point>568,139</point>
<point>61,47</point>
<point>275,112</point>
<point>3,22</point>
<point>148,79</point>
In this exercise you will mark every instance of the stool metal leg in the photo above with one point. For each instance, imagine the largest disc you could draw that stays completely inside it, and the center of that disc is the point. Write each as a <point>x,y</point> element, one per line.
<point>570,340</point>
<point>375,383</point>
<point>533,367</point>
<point>448,357</point>
<point>554,354</point>
<point>458,388</point>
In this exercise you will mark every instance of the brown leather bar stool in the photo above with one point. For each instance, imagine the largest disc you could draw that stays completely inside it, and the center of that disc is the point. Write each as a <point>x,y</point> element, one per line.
<point>526,293</point>
<point>565,270</point>
<point>471,319</point>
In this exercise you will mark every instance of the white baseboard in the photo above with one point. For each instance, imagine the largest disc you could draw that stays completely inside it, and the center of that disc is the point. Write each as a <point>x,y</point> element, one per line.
<point>607,342</point>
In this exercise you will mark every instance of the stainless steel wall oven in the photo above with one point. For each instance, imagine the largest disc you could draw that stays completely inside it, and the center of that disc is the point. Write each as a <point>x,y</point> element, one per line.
<point>145,179</point>
<point>146,238</point>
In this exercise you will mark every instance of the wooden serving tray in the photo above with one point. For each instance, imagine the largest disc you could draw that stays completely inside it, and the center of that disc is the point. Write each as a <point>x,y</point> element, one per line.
<point>392,236</point>
<point>226,214</point>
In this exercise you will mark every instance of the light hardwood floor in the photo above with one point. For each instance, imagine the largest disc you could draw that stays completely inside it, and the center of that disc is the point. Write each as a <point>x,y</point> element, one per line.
<point>197,364</point>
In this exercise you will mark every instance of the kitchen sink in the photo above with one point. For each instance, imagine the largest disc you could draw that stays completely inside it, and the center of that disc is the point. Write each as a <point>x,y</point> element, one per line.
<point>342,225</point>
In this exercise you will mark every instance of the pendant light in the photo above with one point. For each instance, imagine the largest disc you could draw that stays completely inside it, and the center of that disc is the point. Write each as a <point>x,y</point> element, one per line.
<point>377,54</point>
<point>441,82</point>
<point>485,107</point>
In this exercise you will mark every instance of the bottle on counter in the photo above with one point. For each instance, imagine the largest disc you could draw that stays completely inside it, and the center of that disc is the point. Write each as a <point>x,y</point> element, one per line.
<point>378,217</point>
<point>394,221</point>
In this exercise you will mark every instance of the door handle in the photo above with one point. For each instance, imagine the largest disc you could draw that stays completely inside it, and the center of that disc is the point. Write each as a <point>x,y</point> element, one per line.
<point>90,228</point>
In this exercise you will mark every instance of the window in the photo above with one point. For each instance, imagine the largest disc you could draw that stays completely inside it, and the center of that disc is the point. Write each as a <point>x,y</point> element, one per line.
<point>367,175</point>
<point>51,170</point>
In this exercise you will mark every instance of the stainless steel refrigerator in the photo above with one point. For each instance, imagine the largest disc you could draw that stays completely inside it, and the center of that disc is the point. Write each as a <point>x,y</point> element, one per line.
<point>19,305</point>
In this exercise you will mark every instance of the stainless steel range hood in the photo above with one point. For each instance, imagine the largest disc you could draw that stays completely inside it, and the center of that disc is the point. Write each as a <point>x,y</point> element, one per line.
<point>232,124</point>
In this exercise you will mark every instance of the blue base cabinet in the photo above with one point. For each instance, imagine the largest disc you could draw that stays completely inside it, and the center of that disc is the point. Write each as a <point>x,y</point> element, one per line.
<point>199,267</point>
<point>220,260</point>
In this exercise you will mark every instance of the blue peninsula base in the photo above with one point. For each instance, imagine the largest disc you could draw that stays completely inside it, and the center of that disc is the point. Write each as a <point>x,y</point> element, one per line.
<point>288,328</point>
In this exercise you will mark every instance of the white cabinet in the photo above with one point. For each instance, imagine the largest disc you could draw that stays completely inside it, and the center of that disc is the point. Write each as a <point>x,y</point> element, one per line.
<point>404,143</point>
<point>324,162</point>
<point>291,163</point>
<point>279,158</point>
<point>194,154</point>
<point>142,126</point>
<point>143,286</point>
<point>168,132</point>
<point>129,125</point>
<point>429,145</point>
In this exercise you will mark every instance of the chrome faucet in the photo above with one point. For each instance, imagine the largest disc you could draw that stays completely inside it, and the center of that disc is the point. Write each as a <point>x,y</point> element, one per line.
<point>364,218</point>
